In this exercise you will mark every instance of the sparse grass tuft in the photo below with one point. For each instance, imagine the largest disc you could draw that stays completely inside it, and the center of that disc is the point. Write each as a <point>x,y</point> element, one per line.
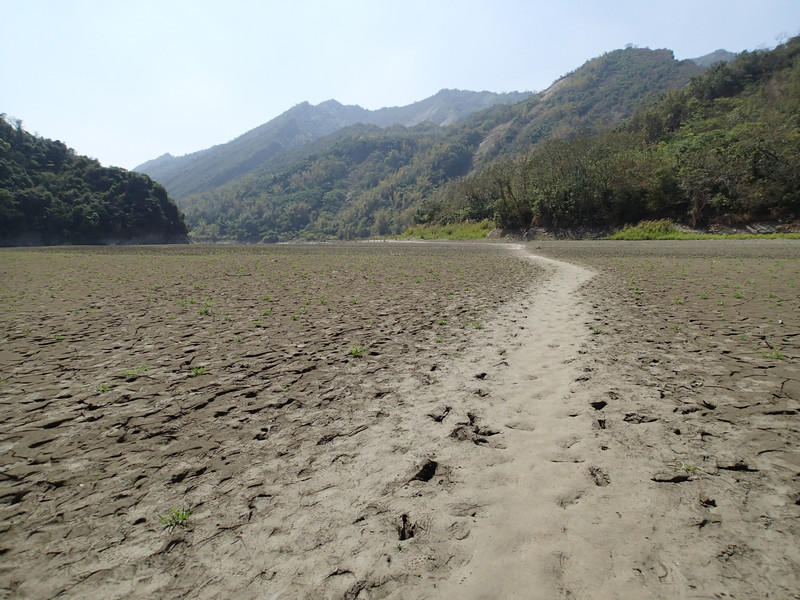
<point>175,518</point>
<point>688,468</point>
<point>134,373</point>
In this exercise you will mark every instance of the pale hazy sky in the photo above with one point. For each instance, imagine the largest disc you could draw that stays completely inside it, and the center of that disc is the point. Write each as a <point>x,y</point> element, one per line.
<point>125,81</point>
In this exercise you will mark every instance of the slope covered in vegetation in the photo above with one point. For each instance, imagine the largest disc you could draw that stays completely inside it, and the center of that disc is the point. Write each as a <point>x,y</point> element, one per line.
<point>725,147</point>
<point>364,180</point>
<point>50,195</point>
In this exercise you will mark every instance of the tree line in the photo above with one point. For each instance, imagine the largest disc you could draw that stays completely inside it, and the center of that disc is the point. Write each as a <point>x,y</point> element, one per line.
<point>51,195</point>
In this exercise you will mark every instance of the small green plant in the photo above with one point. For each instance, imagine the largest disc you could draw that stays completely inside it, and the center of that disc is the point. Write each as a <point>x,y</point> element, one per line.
<point>688,468</point>
<point>59,337</point>
<point>196,371</point>
<point>438,340</point>
<point>738,295</point>
<point>442,321</point>
<point>355,301</point>
<point>477,325</point>
<point>175,518</point>
<point>104,388</point>
<point>678,301</point>
<point>266,313</point>
<point>720,302</point>
<point>357,351</point>
<point>134,373</point>
<point>266,297</point>
<point>704,296</point>
<point>598,330</point>
<point>774,354</point>
<point>206,310</point>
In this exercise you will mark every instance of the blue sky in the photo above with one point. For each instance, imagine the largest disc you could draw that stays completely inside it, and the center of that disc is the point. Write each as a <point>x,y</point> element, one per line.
<point>125,81</point>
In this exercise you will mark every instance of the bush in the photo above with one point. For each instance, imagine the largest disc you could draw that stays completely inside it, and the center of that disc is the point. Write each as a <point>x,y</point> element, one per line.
<point>648,230</point>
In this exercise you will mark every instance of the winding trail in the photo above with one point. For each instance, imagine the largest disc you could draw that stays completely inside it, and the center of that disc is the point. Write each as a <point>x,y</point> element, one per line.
<point>518,541</point>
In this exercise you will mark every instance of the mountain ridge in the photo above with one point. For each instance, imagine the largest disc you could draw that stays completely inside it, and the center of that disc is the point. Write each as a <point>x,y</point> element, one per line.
<point>301,124</point>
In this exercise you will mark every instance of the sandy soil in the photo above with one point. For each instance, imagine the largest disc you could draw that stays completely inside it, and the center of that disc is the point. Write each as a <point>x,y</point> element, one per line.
<point>616,420</point>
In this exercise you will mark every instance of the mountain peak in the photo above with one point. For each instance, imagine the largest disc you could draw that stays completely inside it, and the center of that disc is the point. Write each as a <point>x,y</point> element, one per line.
<point>301,124</point>
<point>330,103</point>
<point>714,57</point>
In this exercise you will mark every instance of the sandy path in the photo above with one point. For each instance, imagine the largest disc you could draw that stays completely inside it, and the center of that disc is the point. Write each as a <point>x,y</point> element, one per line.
<point>643,459</point>
<point>518,546</point>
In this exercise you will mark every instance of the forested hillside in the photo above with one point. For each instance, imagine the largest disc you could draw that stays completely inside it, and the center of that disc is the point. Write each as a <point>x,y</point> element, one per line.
<point>725,147</point>
<point>603,92</point>
<point>364,180</point>
<point>269,146</point>
<point>50,195</point>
